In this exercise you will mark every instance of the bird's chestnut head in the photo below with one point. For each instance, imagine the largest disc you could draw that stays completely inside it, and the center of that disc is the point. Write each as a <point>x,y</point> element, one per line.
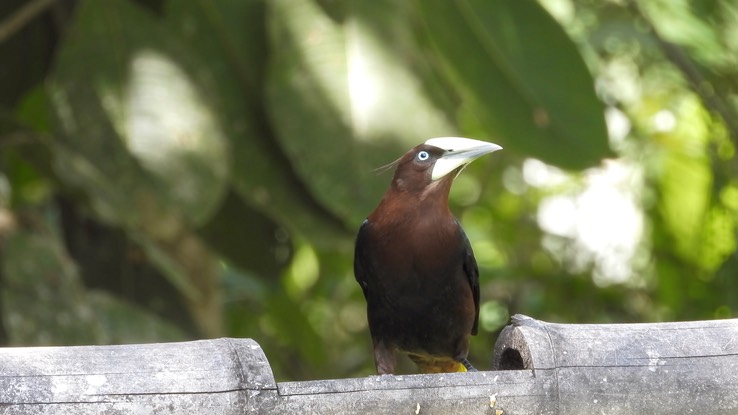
<point>436,159</point>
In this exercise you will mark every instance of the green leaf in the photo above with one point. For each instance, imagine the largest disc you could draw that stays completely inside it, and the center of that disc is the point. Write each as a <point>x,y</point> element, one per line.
<point>122,322</point>
<point>135,129</point>
<point>228,40</point>
<point>342,93</point>
<point>247,239</point>
<point>36,270</point>
<point>521,77</point>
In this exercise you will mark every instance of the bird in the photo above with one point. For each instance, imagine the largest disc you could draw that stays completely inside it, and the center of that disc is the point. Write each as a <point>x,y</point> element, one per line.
<point>415,265</point>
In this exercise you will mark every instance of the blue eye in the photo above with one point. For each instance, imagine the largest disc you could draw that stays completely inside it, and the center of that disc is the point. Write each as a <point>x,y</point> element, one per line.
<point>423,156</point>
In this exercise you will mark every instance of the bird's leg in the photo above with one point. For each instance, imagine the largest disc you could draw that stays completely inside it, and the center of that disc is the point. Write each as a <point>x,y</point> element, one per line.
<point>384,358</point>
<point>467,365</point>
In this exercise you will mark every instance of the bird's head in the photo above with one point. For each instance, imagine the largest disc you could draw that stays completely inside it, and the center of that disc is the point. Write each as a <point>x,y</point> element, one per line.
<point>438,160</point>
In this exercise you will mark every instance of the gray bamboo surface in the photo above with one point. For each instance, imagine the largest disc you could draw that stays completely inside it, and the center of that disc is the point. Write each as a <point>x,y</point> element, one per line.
<point>540,368</point>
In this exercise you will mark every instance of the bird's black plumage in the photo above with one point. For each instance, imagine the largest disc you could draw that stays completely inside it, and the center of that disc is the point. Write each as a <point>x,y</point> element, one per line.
<point>416,267</point>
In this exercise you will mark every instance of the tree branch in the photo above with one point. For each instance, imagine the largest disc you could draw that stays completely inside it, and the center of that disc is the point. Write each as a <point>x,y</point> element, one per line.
<point>20,18</point>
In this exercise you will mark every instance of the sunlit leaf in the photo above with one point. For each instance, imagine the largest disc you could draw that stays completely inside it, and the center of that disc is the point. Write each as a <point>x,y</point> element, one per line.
<point>134,129</point>
<point>338,89</point>
<point>521,77</point>
<point>229,41</point>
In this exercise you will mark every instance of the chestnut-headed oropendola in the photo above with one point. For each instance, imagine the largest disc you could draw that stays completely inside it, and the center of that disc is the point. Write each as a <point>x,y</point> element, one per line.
<point>415,264</point>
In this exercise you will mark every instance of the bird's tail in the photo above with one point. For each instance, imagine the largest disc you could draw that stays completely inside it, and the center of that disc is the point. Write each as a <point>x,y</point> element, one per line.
<point>432,364</point>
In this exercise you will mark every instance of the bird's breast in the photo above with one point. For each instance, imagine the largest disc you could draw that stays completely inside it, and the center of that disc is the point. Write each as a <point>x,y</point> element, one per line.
<point>414,258</point>
<point>418,295</point>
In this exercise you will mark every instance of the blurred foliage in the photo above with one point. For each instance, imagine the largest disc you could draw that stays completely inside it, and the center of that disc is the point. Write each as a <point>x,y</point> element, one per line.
<point>173,170</point>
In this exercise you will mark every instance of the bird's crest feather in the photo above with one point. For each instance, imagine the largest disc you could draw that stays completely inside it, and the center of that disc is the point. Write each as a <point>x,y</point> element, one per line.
<point>383,169</point>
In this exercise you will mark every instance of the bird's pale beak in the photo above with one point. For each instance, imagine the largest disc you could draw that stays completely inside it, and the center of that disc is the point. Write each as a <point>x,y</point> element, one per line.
<point>458,152</point>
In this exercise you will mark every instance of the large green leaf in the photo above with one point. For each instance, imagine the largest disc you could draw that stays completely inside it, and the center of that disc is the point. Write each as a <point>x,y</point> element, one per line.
<point>228,40</point>
<point>134,129</point>
<point>44,300</point>
<point>342,94</point>
<point>136,134</point>
<point>521,77</point>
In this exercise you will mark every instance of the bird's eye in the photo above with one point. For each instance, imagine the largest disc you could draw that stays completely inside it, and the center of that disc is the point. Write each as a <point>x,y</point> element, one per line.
<point>423,156</point>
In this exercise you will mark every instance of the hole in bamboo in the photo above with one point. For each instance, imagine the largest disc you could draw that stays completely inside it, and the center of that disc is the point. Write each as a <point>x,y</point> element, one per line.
<point>511,360</point>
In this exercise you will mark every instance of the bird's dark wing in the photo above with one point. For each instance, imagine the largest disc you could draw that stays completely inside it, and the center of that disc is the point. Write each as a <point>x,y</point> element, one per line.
<point>472,273</point>
<point>362,265</point>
